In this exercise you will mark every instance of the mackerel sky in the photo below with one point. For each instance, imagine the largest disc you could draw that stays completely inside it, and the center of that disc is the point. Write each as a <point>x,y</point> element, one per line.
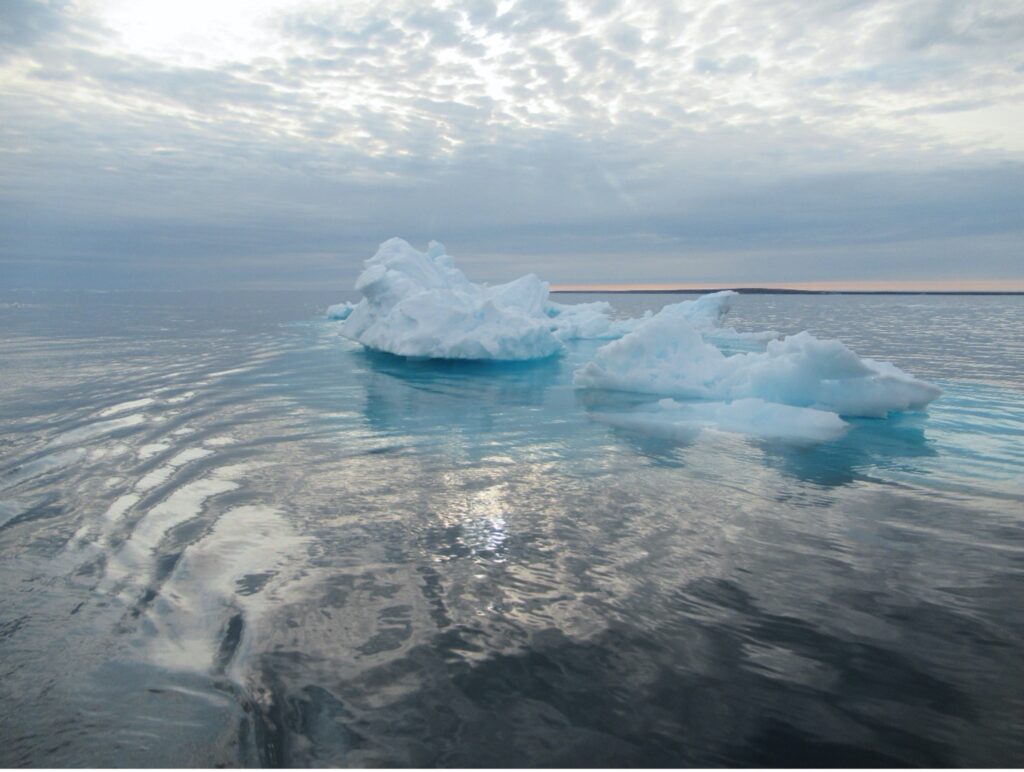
<point>275,144</point>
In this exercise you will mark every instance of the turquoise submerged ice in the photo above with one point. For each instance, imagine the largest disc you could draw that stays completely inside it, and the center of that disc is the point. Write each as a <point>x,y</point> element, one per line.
<point>684,421</point>
<point>418,304</point>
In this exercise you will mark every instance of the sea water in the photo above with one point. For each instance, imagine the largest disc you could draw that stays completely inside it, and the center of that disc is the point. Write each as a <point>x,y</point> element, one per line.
<point>230,536</point>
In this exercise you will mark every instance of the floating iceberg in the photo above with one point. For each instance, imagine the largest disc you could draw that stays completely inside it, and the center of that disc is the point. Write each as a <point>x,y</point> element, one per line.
<point>683,422</point>
<point>418,304</point>
<point>672,354</point>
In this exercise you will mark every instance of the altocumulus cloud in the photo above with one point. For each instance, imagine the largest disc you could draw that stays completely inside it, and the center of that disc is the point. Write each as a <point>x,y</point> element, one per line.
<point>276,143</point>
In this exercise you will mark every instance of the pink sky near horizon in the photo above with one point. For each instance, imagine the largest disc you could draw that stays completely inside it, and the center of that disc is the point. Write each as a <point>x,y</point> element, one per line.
<point>909,285</point>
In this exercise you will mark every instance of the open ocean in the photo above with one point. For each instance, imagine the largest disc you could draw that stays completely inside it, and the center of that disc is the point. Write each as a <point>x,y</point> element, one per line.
<point>228,536</point>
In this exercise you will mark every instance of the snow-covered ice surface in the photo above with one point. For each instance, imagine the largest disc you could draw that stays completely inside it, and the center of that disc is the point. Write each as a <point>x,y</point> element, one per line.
<point>682,352</point>
<point>665,357</point>
<point>418,304</point>
<point>230,536</point>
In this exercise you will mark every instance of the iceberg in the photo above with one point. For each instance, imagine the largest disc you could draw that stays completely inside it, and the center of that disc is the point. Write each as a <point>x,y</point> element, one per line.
<point>673,354</point>
<point>418,304</point>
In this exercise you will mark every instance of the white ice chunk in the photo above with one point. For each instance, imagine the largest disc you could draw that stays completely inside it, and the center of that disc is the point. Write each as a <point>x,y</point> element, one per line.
<point>419,304</point>
<point>668,355</point>
<point>751,416</point>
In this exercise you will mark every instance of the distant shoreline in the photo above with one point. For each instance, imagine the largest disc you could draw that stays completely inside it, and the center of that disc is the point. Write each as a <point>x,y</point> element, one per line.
<point>655,291</point>
<point>777,291</point>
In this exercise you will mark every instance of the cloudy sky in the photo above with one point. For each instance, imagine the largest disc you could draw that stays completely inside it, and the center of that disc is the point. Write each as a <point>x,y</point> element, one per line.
<point>259,143</point>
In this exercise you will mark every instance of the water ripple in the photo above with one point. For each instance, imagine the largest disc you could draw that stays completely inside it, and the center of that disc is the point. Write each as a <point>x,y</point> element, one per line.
<point>233,538</point>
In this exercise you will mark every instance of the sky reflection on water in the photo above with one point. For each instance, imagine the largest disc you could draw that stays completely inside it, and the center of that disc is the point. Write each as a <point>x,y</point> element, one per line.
<point>230,536</point>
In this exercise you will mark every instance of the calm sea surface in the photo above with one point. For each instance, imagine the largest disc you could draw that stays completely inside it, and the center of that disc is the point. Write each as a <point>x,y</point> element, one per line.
<point>229,536</point>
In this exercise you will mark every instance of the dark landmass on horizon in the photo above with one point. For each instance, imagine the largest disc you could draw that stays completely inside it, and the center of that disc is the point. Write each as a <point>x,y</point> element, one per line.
<point>778,291</point>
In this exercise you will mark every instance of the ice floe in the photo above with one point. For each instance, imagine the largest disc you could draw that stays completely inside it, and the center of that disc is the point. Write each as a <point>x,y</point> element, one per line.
<point>673,354</point>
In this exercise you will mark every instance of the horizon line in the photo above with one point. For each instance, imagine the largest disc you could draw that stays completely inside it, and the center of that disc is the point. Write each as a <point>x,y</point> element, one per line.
<point>899,286</point>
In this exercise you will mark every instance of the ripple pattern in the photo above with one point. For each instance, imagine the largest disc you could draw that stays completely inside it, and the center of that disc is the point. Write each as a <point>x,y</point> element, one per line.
<point>230,537</point>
